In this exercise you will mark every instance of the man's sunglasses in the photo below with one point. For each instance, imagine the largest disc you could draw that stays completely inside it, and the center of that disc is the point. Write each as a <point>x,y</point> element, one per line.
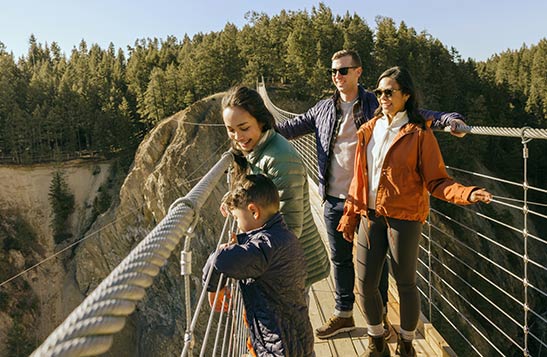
<point>388,92</point>
<point>343,71</point>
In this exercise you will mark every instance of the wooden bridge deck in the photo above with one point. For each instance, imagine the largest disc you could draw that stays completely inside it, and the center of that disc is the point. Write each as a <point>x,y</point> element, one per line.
<point>428,342</point>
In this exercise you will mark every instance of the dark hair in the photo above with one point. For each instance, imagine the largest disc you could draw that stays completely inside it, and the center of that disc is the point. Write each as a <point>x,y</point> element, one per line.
<point>257,189</point>
<point>404,79</point>
<point>249,100</point>
<point>355,58</point>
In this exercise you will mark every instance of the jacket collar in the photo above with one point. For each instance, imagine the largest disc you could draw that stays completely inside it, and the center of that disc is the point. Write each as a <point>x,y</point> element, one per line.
<point>400,119</point>
<point>257,151</point>
<point>274,220</point>
<point>368,127</point>
<point>358,114</point>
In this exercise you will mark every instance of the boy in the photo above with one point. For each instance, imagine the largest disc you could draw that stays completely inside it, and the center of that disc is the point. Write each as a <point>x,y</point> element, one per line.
<point>269,263</point>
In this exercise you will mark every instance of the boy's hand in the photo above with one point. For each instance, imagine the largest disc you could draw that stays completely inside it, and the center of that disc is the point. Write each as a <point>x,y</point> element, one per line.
<point>219,305</point>
<point>224,210</point>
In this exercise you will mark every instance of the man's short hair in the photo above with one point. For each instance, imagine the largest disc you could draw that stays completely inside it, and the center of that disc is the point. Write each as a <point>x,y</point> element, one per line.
<point>257,189</point>
<point>355,58</point>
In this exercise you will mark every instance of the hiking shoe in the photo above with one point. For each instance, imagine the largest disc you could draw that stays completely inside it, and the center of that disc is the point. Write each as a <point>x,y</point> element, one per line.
<point>377,347</point>
<point>405,348</point>
<point>334,326</point>
<point>387,327</point>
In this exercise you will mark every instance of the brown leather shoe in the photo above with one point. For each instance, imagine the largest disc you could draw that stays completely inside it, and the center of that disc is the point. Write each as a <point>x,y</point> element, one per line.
<point>334,326</point>
<point>377,347</point>
<point>405,348</point>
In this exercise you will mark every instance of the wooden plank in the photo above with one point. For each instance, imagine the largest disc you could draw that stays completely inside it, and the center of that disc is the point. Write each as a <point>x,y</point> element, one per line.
<point>324,291</point>
<point>321,347</point>
<point>428,342</point>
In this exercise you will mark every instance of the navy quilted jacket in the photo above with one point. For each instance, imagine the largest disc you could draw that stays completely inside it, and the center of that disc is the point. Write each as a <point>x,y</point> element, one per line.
<point>269,263</point>
<point>323,121</point>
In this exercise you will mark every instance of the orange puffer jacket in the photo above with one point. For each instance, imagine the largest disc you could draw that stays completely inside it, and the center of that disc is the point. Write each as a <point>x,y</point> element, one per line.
<point>413,166</point>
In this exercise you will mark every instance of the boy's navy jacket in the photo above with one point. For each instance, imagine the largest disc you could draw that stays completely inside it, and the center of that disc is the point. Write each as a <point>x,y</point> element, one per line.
<point>270,266</point>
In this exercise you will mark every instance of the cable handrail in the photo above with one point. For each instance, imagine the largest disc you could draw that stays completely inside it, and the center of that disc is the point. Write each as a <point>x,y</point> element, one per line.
<point>470,323</point>
<point>476,309</point>
<point>481,235</point>
<point>89,329</point>
<point>126,285</point>
<point>132,211</point>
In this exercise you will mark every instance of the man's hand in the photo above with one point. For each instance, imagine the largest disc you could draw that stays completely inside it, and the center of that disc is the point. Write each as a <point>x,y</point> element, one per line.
<point>454,124</point>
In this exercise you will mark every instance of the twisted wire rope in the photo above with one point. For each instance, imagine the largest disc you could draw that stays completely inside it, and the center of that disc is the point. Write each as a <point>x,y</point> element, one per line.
<point>132,211</point>
<point>470,323</point>
<point>88,330</point>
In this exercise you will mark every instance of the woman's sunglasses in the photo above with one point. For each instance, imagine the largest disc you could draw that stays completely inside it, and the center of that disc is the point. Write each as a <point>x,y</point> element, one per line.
<point>388,92</point>
<point>343,71</point>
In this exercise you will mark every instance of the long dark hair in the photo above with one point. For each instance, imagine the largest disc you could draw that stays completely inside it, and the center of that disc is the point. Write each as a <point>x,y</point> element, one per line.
<point>402,76</point>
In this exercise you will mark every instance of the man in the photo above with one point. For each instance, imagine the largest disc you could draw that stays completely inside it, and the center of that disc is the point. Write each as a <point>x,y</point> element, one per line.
<point>334,122</point>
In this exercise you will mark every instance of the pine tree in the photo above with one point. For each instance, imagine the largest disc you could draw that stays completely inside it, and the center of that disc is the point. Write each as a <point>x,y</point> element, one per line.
<point>62,204</point>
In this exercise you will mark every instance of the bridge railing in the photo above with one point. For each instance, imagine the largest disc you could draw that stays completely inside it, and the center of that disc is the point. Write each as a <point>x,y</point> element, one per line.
<point>482,269</point>
<point>89,329</point>
<point>482,284</point>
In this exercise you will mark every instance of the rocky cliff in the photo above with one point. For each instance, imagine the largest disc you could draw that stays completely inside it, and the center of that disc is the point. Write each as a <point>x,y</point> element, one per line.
<point>168,163</point>
<point>42,297</point>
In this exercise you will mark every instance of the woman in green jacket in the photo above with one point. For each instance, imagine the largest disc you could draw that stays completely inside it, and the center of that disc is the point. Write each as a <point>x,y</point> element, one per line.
<point>250,127</point>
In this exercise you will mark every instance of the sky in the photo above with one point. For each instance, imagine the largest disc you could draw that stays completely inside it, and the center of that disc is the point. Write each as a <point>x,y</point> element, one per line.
<point>477,29</point>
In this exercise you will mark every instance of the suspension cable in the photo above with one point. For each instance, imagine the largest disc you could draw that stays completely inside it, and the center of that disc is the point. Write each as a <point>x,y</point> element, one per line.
<point>88,330</point>
<point>468,322</point>
<point>133,211</point>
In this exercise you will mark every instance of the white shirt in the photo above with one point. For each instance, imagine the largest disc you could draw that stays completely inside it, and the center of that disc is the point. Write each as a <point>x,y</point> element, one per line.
<point>343,153</point>
<point>380,142</point>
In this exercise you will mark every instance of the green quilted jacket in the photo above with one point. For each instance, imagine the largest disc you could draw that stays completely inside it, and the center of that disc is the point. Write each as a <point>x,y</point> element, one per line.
<point>276,158</point>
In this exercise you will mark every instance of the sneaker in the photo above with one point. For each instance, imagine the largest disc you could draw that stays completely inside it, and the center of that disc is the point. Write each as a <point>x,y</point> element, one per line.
<point>405,348</point>
<point>387,327</point>
<point>334,326</point>
<point>377,347</point>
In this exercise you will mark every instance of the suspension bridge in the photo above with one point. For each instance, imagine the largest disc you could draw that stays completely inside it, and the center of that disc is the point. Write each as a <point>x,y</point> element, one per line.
<point>483,295</point>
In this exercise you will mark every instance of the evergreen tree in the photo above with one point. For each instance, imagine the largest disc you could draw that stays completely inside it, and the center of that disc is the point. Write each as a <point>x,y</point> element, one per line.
<point>300,48</point>
<point>62,206</point>
<point>8,103</point>
<point>537,99</point>
<point>385,46</point>
<point>358,36</point>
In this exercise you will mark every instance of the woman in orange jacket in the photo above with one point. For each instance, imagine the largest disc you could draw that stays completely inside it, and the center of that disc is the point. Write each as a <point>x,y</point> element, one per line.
<point>397,162</point>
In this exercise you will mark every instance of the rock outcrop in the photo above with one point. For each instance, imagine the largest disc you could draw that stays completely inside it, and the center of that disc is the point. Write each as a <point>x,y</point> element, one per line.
<point>38,299</point>
<point>168,163</point>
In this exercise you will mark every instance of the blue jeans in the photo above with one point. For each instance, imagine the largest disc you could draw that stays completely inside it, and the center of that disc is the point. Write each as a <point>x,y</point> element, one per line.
<point>341,255</point>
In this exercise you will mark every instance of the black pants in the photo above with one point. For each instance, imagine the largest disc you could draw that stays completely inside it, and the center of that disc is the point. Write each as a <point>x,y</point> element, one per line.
<point>402,238</point>
<point>341,255</point>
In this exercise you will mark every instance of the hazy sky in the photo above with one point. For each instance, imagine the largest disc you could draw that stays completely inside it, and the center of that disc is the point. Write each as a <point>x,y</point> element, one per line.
<point>476,28</point>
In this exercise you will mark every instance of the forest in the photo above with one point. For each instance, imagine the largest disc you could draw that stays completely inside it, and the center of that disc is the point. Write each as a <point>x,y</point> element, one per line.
<point>100,102</point>
<point>96,102</point>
